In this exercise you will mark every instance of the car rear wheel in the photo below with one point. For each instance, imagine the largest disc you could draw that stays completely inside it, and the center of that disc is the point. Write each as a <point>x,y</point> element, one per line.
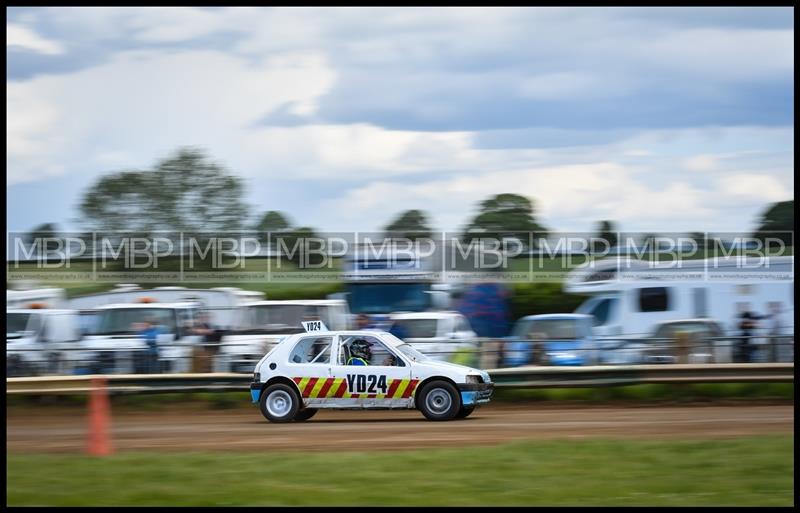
<point>463,413</point>
<point>439,400</point>
<point>279,403</point>
<point>305,414</point>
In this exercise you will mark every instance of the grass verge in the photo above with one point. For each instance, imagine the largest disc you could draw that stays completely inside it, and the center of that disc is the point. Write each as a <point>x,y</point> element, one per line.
<point>745,471</point>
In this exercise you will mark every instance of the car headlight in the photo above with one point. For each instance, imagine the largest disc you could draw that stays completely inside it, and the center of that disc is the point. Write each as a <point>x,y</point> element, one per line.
<point>473,380</point>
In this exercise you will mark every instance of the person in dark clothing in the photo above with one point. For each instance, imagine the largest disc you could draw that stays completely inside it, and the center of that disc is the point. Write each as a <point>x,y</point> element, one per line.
<point>748,323</point>
<point>208,343</point>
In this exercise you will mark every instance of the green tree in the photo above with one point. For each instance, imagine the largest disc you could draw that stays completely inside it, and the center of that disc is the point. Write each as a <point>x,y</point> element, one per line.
<point>273,221</point>
<point>778,217</point>
<point>411,224</point>
<point>185,192</point>
<point>48,232</point>
<point>605,231</point>
<point>505,215</point>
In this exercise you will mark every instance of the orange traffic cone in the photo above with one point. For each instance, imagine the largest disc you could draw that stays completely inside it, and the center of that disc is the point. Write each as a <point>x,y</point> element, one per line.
<point>99,419</point>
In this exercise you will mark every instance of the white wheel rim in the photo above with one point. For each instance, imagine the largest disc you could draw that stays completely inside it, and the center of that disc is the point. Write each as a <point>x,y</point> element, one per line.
<point>279,403</point>
<point>438,400</point>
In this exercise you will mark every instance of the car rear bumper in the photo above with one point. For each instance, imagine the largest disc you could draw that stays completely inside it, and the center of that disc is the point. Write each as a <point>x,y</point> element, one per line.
<point>474,394</point>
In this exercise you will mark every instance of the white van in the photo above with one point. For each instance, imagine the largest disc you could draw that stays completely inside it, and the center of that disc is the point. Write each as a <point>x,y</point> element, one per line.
<point>117,346</point>
<point>262,324</point>
<point>40,341</point>
<point>221,303</point>
<point>44,297</point>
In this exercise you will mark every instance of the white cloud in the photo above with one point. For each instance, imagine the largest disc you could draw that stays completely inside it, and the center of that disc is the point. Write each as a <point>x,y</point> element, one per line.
<point>753,186</point>
<point>569,197</point>
<point>18,36</point>
<point>355,150</point>
<point>148,103</point>
<point>722,53</point>
<point>701,163</point>
<point>429,65</point>
<point>556,86</point>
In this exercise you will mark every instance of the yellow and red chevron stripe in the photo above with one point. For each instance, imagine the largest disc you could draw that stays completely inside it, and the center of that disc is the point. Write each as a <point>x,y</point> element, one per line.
<point>330,388</point>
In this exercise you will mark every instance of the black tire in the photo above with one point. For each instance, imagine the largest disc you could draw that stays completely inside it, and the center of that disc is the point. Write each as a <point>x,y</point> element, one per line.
<point>439,400</point>
<point>463,413</point>
<point>279,403</point>
<point>305,414</point>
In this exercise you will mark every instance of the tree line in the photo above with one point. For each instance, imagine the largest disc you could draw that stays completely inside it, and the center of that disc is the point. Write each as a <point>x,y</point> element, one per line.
<point>189,192</point>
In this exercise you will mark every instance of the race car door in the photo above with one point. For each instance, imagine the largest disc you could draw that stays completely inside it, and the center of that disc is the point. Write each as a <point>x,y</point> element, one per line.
<point>310,367</point>
<point>384,382</point>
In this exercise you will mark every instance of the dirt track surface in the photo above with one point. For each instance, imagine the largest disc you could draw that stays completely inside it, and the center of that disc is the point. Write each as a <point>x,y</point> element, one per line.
<point>53,430</point>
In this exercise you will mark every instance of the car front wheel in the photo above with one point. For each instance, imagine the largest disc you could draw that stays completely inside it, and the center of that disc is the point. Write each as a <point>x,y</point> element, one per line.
<point>279,403</point>
<point>439,400</point>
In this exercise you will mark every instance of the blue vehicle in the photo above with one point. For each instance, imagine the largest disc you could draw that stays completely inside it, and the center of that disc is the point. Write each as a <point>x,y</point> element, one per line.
<point>551,339</point>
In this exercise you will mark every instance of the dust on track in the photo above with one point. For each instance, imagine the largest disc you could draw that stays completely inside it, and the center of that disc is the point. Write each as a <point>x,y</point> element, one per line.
<point>58,429</point>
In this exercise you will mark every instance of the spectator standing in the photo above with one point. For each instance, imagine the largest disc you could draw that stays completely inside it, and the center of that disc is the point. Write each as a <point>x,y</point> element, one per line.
<point>150,331</point>
<point>748,323</point>
<point>207,343</point>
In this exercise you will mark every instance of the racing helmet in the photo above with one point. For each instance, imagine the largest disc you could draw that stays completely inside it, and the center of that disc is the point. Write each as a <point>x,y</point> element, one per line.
<point>360,349</point>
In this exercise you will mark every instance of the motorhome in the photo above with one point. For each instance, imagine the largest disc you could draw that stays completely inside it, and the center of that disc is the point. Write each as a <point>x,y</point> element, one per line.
<point>628,297</point>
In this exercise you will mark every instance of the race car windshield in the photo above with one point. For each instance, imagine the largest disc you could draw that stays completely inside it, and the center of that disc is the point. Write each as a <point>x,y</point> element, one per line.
<point>407,350</point>
<point>412,353</point>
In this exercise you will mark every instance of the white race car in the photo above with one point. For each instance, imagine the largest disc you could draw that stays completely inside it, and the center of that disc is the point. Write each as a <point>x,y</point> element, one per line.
<point>361,369</point>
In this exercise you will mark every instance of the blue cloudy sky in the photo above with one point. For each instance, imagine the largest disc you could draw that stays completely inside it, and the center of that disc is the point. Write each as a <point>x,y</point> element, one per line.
<point>663,119</point>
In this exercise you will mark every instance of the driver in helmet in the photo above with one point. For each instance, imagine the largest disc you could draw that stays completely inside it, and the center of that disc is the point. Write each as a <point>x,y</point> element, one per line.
<point>360,353</point>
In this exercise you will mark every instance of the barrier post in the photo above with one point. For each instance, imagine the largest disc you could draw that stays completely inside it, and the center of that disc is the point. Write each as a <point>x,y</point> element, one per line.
<point>99,443</point>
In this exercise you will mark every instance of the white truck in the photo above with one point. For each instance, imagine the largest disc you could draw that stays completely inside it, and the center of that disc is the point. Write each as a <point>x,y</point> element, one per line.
<point>220,303</point>
<point>389,280</point>
<point>40,341</point>
<point>119,346</point>
<point>439,335</point>
<point>44,297</point>
<point>261,325</point>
